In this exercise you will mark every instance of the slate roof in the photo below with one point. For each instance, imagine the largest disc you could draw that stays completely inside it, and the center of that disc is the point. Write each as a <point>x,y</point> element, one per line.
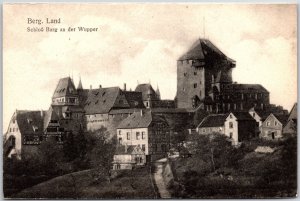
<point>282,118</point>
<point>50,115</point>
<point>102,100</point>
<point>293,113</point>
<point>242,88</point>
<point>121,149</point>
<point>196,52</point>
<point>146,90</point>
<point>65,87</point>
<point>134,99</point>
<point>213,120</point>
<point>27,120</point>
<point>138,120</point>
<point>243,116</point>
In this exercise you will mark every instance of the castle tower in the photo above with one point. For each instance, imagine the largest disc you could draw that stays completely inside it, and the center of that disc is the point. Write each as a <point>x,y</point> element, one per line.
<point>199,70</point>
<point>65,93</point>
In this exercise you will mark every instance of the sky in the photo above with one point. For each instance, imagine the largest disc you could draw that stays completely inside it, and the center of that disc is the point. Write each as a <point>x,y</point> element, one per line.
<point>140,43</point>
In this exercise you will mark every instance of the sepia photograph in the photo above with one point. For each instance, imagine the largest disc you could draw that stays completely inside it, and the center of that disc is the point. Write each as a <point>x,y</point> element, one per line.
<point>149,100</point>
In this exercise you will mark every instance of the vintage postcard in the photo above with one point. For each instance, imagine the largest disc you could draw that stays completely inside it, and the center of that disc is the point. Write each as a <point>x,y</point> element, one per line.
<point>149,101</point>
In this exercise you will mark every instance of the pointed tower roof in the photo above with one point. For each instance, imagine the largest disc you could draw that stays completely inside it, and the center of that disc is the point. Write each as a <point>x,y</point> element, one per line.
<point>79,84</point>
<point>64,87</point>
<point>201,48</point>
<point>157,92</point>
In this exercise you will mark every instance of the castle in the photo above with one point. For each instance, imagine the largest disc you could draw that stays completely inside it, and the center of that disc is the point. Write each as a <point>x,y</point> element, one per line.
<point>204,86</point>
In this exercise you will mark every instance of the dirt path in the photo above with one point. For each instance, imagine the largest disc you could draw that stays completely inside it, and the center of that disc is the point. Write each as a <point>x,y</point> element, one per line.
<point>158,178</point>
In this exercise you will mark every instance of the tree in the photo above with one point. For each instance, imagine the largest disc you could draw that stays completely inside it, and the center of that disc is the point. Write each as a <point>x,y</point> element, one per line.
<point>100,150</point>
<point>214,148</point>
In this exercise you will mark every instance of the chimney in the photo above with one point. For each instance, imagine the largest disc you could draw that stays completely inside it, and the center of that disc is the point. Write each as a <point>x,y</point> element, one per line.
<point>42,113</point>
<point>124,86</point>
<point>142,113</point>
<point>100,86</point>
<point>91,87</point>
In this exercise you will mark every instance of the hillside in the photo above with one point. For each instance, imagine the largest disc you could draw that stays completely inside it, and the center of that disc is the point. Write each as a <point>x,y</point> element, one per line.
<point>242,173</point>
<point>126,184</point>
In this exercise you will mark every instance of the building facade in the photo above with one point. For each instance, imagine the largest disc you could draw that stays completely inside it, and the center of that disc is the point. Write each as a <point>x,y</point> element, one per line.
<point>148,131</point>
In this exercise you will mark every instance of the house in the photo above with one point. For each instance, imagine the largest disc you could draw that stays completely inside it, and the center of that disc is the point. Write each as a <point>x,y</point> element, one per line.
<point>237,126</point>
<point>290,129</point>
<point>212,123</point>
<point>25,131</point>
<point>272,126</point>
<point>146,130</point>
<point>128,157</point>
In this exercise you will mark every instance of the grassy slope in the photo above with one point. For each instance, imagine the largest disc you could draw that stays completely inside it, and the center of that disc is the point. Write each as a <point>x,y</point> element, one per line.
<point>243,184</point>
<point>135,184</point>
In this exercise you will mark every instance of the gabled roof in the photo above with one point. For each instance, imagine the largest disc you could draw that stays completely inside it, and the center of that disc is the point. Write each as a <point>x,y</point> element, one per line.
<point>147,90</point>
<point>65,87</point>
<point>128,149</point>
<point>50,115</point>
<point>293,112</point>
<point>243,116</point>
<point>29,120</point>
<point>134,99</point>
<point>140,119</point>
<point>213,120</point>
<point>282,118</point>
<point>202,47</point>
<point>102,100</point>
<point>241,88</point>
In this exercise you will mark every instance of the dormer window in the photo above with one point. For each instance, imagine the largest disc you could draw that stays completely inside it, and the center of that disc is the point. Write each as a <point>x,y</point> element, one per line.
<point>35,129</point>
<point>29,120</point>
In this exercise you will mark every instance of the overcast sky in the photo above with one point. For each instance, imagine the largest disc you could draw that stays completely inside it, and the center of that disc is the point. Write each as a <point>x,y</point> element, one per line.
<point>141,43</point>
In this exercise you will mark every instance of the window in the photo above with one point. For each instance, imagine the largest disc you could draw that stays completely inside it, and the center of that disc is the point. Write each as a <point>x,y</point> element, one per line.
<point>230,116</point>
<point>230,135</point>
<point>195,85</point>
<point>242,96</point>
<point>143,147</point>
<point>143,135</point>
<point>120,140</point>
<point>184,74</point>
<point>119,132</point>
<point>253,114</point>
<point>137,135</point>
<point>230,125</point>
<point>203,130</point>
<point>268,123</point>
<point>128,136</point>
<point>195,73</point>
<point>275,123</point>
<point>163,148</point>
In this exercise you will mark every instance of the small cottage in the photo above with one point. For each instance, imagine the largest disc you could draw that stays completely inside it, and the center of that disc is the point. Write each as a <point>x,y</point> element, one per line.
<point>272,127</point>
<point>128,157</point>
